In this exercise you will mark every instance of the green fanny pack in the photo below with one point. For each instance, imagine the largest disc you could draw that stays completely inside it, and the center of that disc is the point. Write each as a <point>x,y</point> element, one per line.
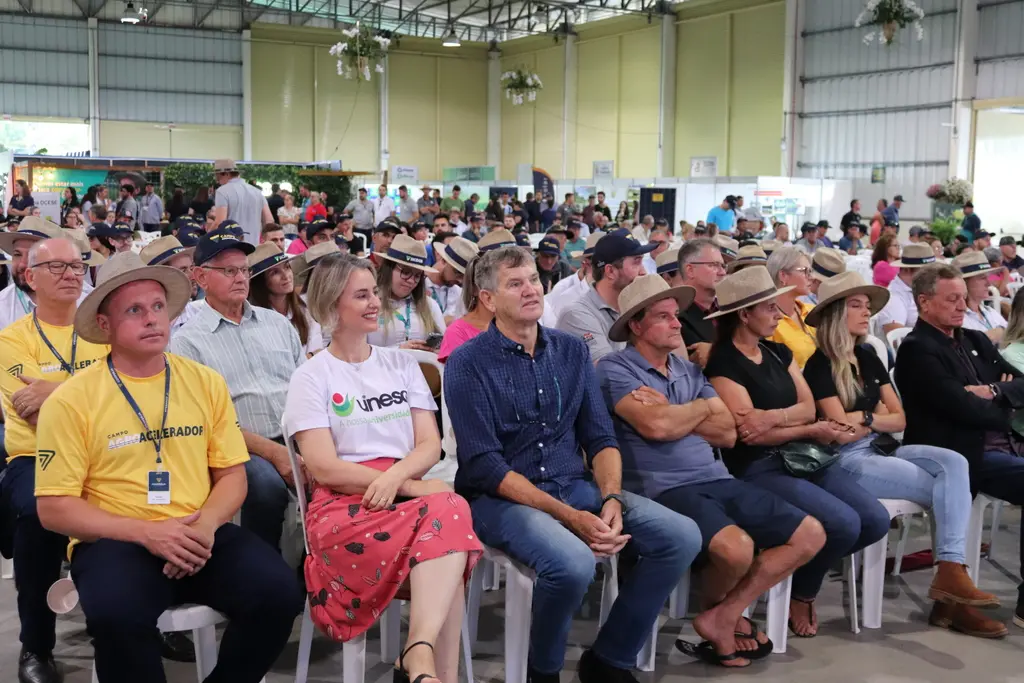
<point>805,458</point>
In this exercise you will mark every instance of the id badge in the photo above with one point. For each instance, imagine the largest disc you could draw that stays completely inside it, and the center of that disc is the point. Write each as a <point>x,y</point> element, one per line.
<point>159,488</point>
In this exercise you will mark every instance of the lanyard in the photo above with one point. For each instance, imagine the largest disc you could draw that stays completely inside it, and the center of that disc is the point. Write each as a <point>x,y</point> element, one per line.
<point>26,303</point>
<point>159,440</point>
<point>408,318</point>
<point>447,291</point>
<point>982,317</point>
<point>64,365</point>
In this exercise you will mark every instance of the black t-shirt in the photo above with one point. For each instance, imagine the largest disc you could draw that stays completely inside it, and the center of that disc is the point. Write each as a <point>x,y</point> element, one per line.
<point>768,383</point>
<point>818,373</point>
<point>21,203</point>
<point>1013,264</point>
<point>275,202</point>
<point>695,328</point>
<point>850,218</point>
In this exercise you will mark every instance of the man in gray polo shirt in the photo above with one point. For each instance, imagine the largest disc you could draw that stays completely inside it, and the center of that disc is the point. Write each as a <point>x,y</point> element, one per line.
<point>361,210</point>
<point>239,201</point>
<point>667,419</point>
<point>407,209</point>
<point>618,260</point>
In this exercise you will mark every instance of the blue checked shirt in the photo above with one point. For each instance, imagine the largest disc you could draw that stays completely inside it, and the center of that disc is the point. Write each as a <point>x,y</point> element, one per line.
<point>514,413</point>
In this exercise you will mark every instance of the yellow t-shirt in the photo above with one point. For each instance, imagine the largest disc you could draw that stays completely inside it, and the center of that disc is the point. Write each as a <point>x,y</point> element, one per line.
<point>23,352</point>
<point>93,446</point>
<point>799,337</point>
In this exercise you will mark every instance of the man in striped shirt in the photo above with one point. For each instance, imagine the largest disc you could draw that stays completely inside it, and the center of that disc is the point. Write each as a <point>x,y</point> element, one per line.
<point>256,350</point>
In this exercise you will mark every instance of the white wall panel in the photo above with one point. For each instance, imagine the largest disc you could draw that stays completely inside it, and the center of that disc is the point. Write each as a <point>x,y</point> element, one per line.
<point>1000,30</point>
<point>1003,78</point>
<point>894,89</point>
<point>911,136</point>
<point>43,67</point>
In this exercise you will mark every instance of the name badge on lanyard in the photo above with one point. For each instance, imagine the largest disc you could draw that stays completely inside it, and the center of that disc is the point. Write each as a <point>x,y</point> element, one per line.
<point>158,491</point>
<point>158,481</point>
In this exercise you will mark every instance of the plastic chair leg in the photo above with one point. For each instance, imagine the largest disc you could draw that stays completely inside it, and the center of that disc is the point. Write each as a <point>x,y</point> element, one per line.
<point>476,588</point>
<point>518,617</point>
<point>7,568</point>
<point>467,650</point>
<point>778,613</point>
<point>353,656</point>
<point>874,583</point>
<point>997,509</point>
<point>391,632</point>
<point>901,548</point>
<point>974,535</point>
<point>678,601</point>
<point>645,658</point>
<point>492,575</point>
<point>205,640</point>
<point>609,589</point>
<point>305,644</point>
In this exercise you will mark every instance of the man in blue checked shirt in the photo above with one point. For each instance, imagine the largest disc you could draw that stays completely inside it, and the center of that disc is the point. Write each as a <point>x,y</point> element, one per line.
<point>524,400</point>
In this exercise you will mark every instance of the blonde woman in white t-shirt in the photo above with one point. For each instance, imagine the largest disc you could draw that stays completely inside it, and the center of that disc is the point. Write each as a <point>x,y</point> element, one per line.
<point>409,317</point>
<point>363,419</point>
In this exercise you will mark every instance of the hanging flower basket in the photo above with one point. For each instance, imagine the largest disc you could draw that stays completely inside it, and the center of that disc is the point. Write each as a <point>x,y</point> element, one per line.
<point>954,191</point>
<point>521,85</point>
<point>361,49</point>
<point>887,17</point>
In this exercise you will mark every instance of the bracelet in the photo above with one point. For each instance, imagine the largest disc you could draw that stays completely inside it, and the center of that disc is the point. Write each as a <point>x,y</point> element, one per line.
<point>785,418</point>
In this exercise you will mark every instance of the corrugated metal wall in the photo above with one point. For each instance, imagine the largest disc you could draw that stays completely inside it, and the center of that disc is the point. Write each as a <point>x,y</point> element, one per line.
<point>170,75</point>
<point>1001,50</point>
<point>44,67</point>
<point>868,106</point>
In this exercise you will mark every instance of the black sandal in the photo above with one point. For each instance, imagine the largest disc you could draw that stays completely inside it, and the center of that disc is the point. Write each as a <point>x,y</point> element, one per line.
<point>813,619</point>
<point>401,675</point>
<point>763,649</point>
<point>706,653</point>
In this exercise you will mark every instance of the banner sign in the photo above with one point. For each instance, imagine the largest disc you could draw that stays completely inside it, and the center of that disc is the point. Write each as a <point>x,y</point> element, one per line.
<point>46,179</point>
<point>401,175</point>
<point>604,171</point>
<point>703,167</point>
<point>467,174</point>
<point>543,185</point>
<point>48,204</point>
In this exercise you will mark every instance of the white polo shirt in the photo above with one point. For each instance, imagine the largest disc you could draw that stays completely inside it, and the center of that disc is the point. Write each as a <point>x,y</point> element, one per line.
<point>382,208</point>
<point>901,308</point>
<point>988,319</point>
<point>564,293</point>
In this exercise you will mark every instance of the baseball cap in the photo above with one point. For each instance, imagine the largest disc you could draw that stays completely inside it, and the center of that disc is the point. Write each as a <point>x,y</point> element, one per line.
<point>619,244</point>
<point>661,221</point>
<point>218,241</point>
<point>823,224</point>
<point>318,224</point>
<point>523,240</point>
<point>104,230</point>
<point>344,217</point>
<point>808,227</point>
<point>1007,241</point>
<point>231,226</point>
<point>476,216</point>
<point>898,198</point>
<point>982,234</point>
<point>546,246</point>
<point>387,226</point>
<point>190,234</point>
<point>892,223</point>
<point>917,231</point>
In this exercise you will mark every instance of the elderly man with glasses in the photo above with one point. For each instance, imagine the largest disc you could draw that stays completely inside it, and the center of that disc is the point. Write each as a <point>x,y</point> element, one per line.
<point>701,266</point>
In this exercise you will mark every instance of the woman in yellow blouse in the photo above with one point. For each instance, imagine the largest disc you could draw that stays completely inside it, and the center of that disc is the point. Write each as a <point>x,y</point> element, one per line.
<point>790,267</point>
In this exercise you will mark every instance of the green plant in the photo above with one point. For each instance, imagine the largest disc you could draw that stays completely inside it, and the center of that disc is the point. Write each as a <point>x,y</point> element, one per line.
<point>946,227</point>
<point>364,47</point>
<point>888,15</point>
<point>191,177</point>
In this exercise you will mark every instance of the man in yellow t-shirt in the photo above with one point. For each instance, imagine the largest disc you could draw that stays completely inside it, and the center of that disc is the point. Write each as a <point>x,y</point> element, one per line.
<point>140,461</point>
<point>38,351</point>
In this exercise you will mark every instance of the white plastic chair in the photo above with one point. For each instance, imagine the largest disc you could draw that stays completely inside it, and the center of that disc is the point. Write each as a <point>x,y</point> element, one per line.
<point>895,337</point>
<point>874,564</point>
<point>879,347</point>
<point>445,469</point>
<point>6,568</point>
<point>993,298</point>
<point>975,531</point>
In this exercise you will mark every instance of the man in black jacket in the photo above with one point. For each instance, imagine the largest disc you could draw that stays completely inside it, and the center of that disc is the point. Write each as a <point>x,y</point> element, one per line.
<point>958,392</point>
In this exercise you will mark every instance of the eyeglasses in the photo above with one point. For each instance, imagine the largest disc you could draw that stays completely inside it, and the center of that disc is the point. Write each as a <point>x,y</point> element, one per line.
<point>410,274</point>
<point>230,272</point>
<point>59,267</point>
<point>802,271</point>
<point>717,265</point>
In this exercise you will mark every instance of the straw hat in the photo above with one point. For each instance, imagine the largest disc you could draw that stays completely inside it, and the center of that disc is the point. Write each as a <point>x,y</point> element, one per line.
<point>266,256</point>
<point>496,239</point>
<point>641,293</point>
<point>163,249</point>
<point>667,261</point>
<point>224,166</point>
<point>408,252</point>
<point>730,247</point>
<point>827,263</point>
<point>121,269</point>
<point>31,228</point>
<point>750,255</point>
<point>743,289</point>
<point>842,286</point>
<point>458,253</point>
<point>302,264</point>
<point>972,264</point>
<point>916,256</point>
<point>90,256</point>
<point>770,245</point>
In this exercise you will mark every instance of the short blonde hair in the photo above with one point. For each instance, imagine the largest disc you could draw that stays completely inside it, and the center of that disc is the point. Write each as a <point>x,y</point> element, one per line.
<point>328,282</point>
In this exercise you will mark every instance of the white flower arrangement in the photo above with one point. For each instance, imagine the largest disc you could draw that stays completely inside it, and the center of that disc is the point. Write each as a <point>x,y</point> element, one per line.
<point>362,48</point>
<point>887,16</point>
<point>521,85</point>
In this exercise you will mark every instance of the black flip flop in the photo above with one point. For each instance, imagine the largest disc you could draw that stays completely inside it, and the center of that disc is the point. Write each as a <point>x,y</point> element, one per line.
<point>763,649</point>
<point>800,635</point>
<point>706,653</point>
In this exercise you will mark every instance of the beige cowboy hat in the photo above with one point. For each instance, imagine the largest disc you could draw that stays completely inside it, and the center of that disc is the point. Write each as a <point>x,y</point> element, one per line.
<point>163,249</point>
<point>268,255</point>
<point>973,263</point>
<point>641,293</point>
<point>743,289</point>
<point>458,253</point>
<point>408,252</point>
<point>90,256</point>
<point>31,228</point>
<point>730,248</point>
<point>304,262</point>
<point>667,261</point>
<point>496,239</point>
<point>592,240</point>
<point>428,188</point>
<point>119,270</point>
<point>750,255</point>
<point>768,246</point>
<point>916,255</point>
<point>224,166</point>
<point>842,286</point>
<point>827,263</point>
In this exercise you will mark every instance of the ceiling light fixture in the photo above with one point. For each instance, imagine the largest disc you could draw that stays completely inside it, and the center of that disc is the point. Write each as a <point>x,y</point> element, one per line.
<point>130,16</point>
<point>451,40</point>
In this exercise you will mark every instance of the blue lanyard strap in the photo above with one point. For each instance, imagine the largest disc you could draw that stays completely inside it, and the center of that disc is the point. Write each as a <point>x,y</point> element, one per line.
<point>65,366</point>
<point>158,440</point>
<point>26,303</point>
<point>408,319</point>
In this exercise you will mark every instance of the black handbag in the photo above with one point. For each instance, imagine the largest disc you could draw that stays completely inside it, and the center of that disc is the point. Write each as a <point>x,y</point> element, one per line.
<point>885,444</point>
<point>806,458</point>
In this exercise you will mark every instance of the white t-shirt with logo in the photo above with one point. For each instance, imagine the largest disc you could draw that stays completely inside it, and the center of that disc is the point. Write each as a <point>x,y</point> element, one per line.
<point>367,406</point>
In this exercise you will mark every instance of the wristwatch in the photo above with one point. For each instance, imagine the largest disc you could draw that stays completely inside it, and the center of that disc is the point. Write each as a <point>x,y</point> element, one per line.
<point>994,388</point>
<point>614,496</point>
<point>869,419</point>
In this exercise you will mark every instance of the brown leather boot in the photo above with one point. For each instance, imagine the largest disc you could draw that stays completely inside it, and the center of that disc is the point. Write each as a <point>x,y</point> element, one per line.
<point>966,620</point>
<point>952,584</point>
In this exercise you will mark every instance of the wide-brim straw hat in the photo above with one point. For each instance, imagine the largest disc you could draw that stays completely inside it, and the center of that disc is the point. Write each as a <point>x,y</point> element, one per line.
<point>408,252</point>
<point>31,228</point>
<point>827,263</point>
<point>495,239</point>
<point>458,253</point>
<point>120,270</point>
<point>267,256</point>
<point>729,247</point>
<point>667,262</point>
<point>641,293</point>
<point>768,246</point>
<point>916,256</point>
<point>163,249</point>
<point>90,256</point>
<point>750,255</point>
<point>973,263</point>
<point>307,259</point>
<point>225,166</point>
<point>743,289</point>
<point>842,286</point>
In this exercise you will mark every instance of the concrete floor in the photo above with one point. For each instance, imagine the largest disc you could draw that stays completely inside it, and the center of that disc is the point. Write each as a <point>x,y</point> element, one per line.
<point>905,650</point>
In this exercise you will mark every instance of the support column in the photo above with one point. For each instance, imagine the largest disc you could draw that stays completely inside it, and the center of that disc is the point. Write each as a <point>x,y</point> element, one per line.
<point>964,88</point>
<point>494,110</point>
<point>792,87</point>
<point>569,111</point>
<point>667,99</point>
<point>94,87</point>
<point>383,123</point>
<point>247,95</point>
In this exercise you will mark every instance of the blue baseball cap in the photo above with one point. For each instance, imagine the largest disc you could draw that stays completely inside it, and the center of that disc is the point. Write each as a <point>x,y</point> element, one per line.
<point>217,241</point>
<point>619,244</point>
<point>189,235</point>
<point>523,240</point>
<point>231,226</point>
<point>318,224</point>
<point>548,246</point>
<point>104,230</point>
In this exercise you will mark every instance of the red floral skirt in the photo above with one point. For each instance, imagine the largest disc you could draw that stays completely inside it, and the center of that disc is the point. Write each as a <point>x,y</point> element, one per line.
<point>358,559</point>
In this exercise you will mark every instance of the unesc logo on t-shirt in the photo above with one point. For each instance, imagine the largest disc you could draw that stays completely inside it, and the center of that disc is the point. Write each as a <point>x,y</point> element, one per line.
<point>344,405</point>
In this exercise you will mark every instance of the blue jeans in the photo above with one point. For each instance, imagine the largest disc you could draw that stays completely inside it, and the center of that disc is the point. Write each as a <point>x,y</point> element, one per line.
<point>932,477</point>
<point>853,518</point>
<point>1001,475</point>
<point>266,501</point>
<point>665,541</point>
